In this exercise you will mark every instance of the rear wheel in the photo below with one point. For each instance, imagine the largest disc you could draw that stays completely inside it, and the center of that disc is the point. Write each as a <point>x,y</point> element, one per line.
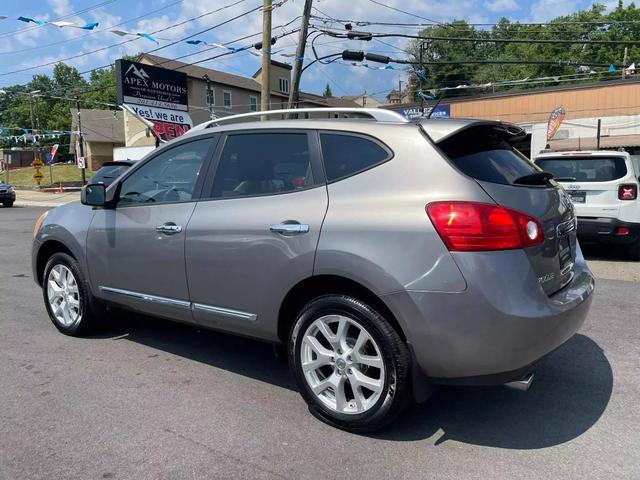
<point>351,365</point>
<point>70,305</point>
<point>8,204</point>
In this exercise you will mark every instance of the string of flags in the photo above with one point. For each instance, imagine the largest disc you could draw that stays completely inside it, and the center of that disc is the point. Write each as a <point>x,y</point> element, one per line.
<point>56,23</point>
<point>32,135</point>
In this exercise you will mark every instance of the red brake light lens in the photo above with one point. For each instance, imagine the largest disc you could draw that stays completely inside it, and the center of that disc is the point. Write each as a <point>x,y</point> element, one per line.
<point>628,192</point>
<point>471,226</point>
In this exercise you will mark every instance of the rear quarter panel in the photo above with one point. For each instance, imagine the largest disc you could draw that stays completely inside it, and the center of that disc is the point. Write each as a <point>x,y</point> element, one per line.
<point>376,230</point>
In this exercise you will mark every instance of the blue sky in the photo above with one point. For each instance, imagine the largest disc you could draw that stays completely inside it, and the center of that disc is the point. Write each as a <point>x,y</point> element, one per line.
<point>27,45</point>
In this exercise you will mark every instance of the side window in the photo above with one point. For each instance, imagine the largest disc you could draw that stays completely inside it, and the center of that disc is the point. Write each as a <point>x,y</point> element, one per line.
<point>263,163</point>
<point>345,155</point>
<point>169,177</point>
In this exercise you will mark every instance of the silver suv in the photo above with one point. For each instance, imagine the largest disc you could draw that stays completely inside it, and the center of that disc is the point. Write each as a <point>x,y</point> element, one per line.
<point>388,256</point>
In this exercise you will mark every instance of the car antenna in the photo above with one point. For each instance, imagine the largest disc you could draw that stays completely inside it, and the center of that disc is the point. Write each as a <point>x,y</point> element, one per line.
<point>433,109</point>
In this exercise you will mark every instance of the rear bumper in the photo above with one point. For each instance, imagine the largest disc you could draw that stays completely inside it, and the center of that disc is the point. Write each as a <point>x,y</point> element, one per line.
<point>604,230</point>
<point>495,330</point>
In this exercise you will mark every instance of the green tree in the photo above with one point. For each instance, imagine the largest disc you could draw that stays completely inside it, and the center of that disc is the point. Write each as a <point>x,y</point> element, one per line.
<point>327,91</point>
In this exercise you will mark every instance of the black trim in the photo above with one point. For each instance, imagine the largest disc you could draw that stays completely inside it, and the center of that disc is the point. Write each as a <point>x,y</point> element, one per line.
<point>486,380</point>
<point>380,143</point>
<point>602,230</point>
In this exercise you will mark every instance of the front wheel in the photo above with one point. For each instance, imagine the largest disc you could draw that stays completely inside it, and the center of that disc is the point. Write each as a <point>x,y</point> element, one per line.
<point>350,364</point>
<point>8,204</point>
<point>70,305</point>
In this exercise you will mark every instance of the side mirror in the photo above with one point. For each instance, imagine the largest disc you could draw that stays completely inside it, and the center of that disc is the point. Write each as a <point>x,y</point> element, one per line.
<point>93,195</point>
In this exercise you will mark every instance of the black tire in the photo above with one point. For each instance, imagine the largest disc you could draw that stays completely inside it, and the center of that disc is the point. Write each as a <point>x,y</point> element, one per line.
<point>396,391</point>
<point>92,313</point>
<point>8,204</point>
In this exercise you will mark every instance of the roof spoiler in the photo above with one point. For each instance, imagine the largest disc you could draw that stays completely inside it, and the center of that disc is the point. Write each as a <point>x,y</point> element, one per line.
<point>439,130</point>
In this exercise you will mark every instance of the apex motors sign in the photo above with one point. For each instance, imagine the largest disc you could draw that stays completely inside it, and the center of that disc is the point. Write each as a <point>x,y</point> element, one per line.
<point>155,94</point>
<point>150,86</point>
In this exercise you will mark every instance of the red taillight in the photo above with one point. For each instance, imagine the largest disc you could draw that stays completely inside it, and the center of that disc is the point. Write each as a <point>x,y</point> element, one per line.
<point>622,231</point>
<point>470,226</point>
<point>628,192</point>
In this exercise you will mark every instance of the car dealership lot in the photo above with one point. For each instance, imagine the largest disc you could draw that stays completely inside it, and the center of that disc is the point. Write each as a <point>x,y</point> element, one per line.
<point>150,399</point>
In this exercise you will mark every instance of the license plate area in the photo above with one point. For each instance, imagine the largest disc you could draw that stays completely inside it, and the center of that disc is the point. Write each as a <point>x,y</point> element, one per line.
<point>578,196</point>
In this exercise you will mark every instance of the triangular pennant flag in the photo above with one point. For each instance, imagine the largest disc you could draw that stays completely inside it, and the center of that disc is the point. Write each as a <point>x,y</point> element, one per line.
<point>120,32</point>
<point>148,37</point>
<point>28,20</point>
<point>612,68</point>
<point>61,23</point>
<point>89,26</point>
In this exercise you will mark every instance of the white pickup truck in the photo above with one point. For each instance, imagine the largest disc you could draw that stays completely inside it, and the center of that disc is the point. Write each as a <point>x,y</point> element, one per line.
<point>604,188</point>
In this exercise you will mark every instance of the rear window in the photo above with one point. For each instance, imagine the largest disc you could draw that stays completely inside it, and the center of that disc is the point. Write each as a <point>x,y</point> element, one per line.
<point>585,169</point>
<point>482,153</point>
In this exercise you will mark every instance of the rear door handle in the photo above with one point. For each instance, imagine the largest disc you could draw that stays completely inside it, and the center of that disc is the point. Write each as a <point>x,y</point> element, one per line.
<point>169,228</point>
<point>289,229</point>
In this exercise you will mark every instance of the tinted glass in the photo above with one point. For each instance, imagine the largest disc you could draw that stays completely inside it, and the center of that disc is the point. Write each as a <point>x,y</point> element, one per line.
<point>107,174</point>
<point>483,154</point>
<point>169,177</point>
<point>344,155</point>
<point>263,163</point>
<point>582,169</point>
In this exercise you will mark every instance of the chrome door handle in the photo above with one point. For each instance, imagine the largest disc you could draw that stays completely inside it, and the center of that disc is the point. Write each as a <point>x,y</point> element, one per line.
<point>289,228</point>
<point>169,228</point>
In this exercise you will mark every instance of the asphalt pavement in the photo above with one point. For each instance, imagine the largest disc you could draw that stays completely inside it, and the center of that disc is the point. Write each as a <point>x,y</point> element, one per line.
<point>154,400</point>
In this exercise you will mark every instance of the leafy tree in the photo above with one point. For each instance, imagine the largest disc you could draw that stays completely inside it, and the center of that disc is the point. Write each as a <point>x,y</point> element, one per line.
<point>327,91</point>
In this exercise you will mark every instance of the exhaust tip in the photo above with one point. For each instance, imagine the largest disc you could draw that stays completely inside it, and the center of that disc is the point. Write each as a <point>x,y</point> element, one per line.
<point>523,384</point>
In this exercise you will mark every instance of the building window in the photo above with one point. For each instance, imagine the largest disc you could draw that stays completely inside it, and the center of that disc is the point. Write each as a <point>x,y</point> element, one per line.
<point>284,85</point>
<point>226,97</point>
<point>253,103</point>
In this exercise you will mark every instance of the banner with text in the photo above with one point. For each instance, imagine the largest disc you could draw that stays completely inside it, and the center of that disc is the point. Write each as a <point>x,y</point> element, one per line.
<point>167,124</point>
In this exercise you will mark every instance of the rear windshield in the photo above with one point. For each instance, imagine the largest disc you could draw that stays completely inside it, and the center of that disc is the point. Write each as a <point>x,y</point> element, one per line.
<point>584,169</point>
<point>482,153</point>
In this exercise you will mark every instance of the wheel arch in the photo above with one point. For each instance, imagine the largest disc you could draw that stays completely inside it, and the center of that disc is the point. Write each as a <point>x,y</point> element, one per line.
<point>46,250</point>
<point>318,285</point>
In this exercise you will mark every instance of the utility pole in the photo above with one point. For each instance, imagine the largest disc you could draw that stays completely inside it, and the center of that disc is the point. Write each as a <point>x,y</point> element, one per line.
<point>81,142</point>
<point>37,162</point>
<point>297,69</point>
<point>399,91</point>
<point>625,59</point>
<point>265,91</point>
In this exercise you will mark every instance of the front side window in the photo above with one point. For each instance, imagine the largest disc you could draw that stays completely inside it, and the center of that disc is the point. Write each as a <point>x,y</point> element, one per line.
<point>226,97</point>
<point>584,169</point>
<point>263,163</point>
<point>345,155</point>
<point>169,177</point>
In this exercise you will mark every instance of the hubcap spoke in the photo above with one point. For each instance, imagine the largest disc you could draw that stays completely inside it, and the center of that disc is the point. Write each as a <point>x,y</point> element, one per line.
<point>63,295</point>
<point>361,380</point>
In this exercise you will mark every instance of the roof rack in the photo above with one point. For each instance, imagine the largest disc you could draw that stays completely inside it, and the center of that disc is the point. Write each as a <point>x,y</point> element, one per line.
<point>377,114</point>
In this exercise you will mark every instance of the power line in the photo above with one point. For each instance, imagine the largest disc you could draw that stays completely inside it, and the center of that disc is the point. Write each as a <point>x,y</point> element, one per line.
<point>406,13</point>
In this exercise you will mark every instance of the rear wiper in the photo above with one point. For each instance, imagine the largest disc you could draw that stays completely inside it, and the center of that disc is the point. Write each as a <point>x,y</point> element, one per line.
<point>566,179</point>
<point>538,178</point>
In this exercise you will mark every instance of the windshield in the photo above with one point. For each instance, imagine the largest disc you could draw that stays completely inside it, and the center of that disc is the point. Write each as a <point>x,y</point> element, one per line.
<point>584,169</point>
<point>108,173</point>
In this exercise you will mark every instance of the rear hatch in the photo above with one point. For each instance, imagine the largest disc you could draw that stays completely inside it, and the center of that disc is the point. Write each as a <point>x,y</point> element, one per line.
<point>484,152</point>
<point>591,180</point>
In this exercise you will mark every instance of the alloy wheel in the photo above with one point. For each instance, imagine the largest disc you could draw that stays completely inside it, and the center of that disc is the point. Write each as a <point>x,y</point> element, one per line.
<point>63,295</point>
<point>342,364</point>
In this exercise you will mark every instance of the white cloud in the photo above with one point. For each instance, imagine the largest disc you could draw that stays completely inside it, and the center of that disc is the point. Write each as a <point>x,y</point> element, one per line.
<point>61,7</point>
<point>545,10</point>
<point>501,6</point>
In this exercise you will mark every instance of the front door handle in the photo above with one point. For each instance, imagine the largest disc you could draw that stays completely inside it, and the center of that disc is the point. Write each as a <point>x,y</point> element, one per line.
<point>169,228</point>
<point>289,228</point>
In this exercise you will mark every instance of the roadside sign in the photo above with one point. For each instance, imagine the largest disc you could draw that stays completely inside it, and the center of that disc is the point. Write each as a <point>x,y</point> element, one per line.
<point>81,162</point>
<point>36,163</point>
<point>38,175</point>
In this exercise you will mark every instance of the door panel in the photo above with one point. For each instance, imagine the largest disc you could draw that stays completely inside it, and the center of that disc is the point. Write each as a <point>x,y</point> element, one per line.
<point>238,269</point>
<point>256,237</point>
<point>132,264</point>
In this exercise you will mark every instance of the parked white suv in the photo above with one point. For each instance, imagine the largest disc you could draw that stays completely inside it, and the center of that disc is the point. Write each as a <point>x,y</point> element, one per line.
<point>604,188</point>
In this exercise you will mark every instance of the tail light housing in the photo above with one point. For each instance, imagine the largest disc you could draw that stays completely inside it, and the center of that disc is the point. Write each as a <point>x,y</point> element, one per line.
<point>628,192</point>
<point>472,226</point>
